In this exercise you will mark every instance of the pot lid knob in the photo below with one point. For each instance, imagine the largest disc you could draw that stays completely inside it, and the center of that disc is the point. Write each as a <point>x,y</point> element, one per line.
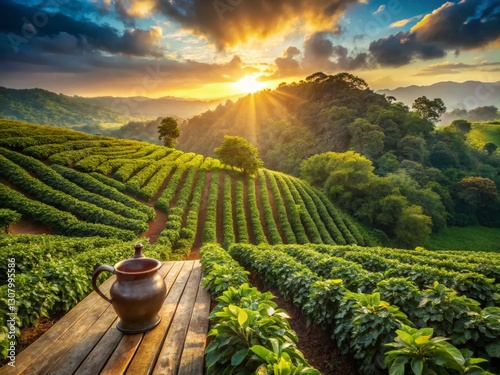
<point>138,251</point>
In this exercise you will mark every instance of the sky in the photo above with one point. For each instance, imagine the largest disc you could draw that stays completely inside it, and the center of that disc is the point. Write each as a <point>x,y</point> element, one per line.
<point>205,49</point>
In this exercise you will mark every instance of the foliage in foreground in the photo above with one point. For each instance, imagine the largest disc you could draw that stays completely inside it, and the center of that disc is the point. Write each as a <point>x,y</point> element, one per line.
<point>362,310</point>
<point>250,334</point>
<point>429,355</point>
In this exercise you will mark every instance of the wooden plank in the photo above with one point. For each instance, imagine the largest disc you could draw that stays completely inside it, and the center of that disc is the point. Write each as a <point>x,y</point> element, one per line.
<point>149,350</point>
<point>170,355</point>
<point>193,360</point>
<point>165,268</point>
<point>78,352</point>
<point>96,360</point>
<point>66,341</point>
<point>121,357</point>
<point>31,354</point>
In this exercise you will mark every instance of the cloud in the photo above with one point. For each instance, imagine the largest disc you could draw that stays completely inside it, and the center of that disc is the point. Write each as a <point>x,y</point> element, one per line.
<point>380,9</point>
<point>321,54</point>
<point>133,42</point>
<point>287,65</point>
<point>228,23</point>
<point>401,49</point>
<point>129,10</point>
<point>317,50</point>
<point>404,22</point>
<point>466,25</point>
<point>454,68</point>
<point>61,61</point>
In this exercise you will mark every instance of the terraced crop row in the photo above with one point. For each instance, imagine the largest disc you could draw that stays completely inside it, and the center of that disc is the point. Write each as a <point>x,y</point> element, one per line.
<point>18,176</point>
<point>87,176</point>
<point>363,309</point>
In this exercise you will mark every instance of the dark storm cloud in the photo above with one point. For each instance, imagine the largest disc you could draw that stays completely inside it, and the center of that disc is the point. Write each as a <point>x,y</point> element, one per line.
<point>465,25</point>
<point>23,25</point>
<point>228,22</point>
<point>402,49</point>
<point>321,54</point>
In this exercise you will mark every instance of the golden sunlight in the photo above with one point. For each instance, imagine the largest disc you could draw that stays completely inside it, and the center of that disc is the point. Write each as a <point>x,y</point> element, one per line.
<point>249,84</point>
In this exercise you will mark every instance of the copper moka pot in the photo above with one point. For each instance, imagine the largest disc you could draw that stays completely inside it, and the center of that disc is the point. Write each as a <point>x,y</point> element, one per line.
<point>137,294</point>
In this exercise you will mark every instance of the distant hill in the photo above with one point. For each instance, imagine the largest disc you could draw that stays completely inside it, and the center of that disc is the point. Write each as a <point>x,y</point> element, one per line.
<point>142,107</point>
<point>48,108</point>
<point>467,95</point>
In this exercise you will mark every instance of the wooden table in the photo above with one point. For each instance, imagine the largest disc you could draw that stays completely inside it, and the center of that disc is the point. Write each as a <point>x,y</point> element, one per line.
<point>86,341</point>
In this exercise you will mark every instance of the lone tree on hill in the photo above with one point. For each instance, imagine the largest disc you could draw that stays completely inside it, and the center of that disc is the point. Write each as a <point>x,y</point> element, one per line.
<point>238,152</point>
<point>169,131</point>
<point>429,109</point>
<point>462,126</point>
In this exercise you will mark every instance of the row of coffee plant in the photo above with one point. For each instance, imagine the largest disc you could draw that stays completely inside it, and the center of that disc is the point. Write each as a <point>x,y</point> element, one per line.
<point>253,208</point>
<point>39,134</point>
<point>50,177</point>
<point>188,161</point>
<point>362,309</point>
<point>181,239</point>
<point>487,264</point>
<point>475,285</point>
<point>134,184</point>
<point>94,183</point>
<point>267,209</point>
<point>250,334</point>
<point>46,150</point>
<point>61,222</point>
<point>71,157</point>
<point>52,273</point>
<point>210,227</point>
<point>90,212</point>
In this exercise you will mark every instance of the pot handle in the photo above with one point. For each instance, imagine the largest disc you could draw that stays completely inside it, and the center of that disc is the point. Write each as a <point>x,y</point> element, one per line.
<point>96,274</point>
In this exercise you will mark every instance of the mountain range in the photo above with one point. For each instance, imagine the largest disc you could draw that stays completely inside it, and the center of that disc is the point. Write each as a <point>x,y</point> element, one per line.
<point>467,95</point>
<point>45,107</point>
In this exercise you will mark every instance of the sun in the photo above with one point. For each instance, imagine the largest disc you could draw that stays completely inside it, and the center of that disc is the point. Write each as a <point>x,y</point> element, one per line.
<point>249,84</point>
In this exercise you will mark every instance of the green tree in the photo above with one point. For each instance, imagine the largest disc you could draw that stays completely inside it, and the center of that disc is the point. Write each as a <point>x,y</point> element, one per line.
<point>345,177</point>
<point>478,196</point>
<point>387,163</point>
<point>413,227</point>
<point>238,152</point>
<point>490,148</point>
<point>429,109</point>
<point>169,131</point>
<point>413,148</point>
<point>366,138</point>
<point>416,125</point>
<point>462,126</point>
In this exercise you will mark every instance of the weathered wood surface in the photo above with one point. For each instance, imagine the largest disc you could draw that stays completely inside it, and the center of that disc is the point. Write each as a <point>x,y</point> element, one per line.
<point>86,341</point>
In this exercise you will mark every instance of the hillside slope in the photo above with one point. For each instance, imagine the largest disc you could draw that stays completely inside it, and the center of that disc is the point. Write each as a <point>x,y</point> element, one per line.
<point>46,107</point>
<point>482,133</point>
<point>83,185</point>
